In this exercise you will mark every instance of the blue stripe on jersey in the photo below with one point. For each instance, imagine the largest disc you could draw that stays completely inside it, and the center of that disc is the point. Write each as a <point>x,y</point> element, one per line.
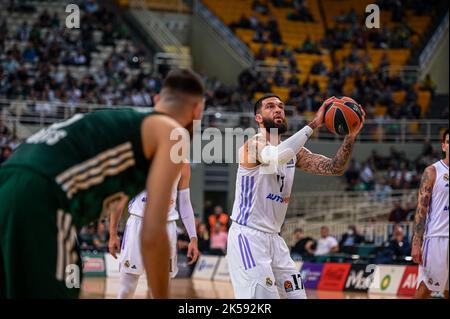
<point>442,162</point>
<point>249,251</point>
<point>241,217</point>
<point>241,243</point>
<point>247,213</point>
<point>241,201</point>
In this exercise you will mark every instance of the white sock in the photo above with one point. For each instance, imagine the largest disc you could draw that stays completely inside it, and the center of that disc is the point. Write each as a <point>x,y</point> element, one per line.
<point>128,285</point>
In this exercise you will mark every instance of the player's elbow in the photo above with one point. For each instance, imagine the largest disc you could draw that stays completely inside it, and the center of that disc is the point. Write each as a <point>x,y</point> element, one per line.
<point>338,171</point>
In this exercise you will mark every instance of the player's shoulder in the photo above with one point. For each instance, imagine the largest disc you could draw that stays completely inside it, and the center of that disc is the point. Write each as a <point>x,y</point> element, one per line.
<point>160,122</point>
<point>430,172</point>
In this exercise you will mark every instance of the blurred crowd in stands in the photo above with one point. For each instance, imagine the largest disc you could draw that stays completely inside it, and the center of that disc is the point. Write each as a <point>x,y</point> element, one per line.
<point>396,171</point>
<point>37,56</point>
<point>396,249</point>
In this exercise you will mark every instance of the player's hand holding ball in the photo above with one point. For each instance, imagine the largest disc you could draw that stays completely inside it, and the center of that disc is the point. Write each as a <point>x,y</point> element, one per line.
<point>343,116</point>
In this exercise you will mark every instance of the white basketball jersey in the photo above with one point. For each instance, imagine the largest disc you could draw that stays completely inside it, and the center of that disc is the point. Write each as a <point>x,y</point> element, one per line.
<point>261,199</point>
<point>437,220</point>
<point>137,205</point>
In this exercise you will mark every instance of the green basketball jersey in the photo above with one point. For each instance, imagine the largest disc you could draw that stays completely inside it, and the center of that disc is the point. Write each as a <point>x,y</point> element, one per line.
<point>89,158</point>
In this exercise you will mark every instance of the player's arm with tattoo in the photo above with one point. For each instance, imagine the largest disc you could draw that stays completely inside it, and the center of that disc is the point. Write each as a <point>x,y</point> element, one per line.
<point>423,205</point>
<point>321,165</point>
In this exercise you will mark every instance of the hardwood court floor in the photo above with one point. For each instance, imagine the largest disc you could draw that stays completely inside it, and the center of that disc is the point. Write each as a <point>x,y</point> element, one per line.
<point>107,288</point>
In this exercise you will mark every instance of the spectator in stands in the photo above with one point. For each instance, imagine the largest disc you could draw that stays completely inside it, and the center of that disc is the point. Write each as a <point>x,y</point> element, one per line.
<point>319,68</point>
<point>352,173</point>
<point>308,45</point>
<point>260,6</point>
<point>182,242</point>
<point>260,35</point>
<point>278,78</point>
<point>410,211</point>
<point>349,239</point>
<point>304,246</point>
<point>218,217</point>
<point>428,84</point>
<point>5,152</point>
<point>396,249</point>
<point>219,237</point>
<point>367,176</point>
<point>243,23</point>
<point>202,238</point>
<point>382,190</point>
<point>86,237</point>
<point>326,244</point>
<point>397,214</point>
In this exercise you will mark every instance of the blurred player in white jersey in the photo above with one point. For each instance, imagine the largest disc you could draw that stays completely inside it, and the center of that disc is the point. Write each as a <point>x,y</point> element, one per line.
<point>131,266</point>
<point>430,241</point>
<point>259,261</point>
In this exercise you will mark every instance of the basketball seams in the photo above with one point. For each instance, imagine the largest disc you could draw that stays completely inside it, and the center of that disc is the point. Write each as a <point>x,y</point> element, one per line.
<point>359,116</point>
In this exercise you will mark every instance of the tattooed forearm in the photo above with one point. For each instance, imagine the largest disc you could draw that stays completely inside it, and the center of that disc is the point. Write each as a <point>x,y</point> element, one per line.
<point>322,165</point>
<point>423,204</point>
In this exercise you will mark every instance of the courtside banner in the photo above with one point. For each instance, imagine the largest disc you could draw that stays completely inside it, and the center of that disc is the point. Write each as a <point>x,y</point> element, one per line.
<point>222,273</point>
<point>334,276</point>
<point>409,281</point>
<point>386,279</point>
<point>205,267</point>
<point>310,273</point>
<point>359,278</point>
<point>93,264</point>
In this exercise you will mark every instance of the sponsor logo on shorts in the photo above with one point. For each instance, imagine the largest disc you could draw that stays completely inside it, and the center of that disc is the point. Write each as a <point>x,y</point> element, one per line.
<point>288,286</point>
<point>430,281</point>
<point>127,264</point>
<point>269,282</point>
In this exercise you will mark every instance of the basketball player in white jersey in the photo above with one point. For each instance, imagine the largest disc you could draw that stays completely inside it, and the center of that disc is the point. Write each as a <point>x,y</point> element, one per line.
<point>259,262</point>
<point>130,264</point>
<point>430,241</point>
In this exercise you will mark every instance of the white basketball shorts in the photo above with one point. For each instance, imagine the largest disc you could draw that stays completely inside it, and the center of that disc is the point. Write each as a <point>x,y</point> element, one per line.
<point>434,269</point>
<point>131,258</point>
<point>260,266</point>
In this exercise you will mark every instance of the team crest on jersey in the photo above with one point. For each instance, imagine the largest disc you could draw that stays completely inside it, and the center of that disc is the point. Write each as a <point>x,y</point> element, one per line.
<point>288,286</point>
<point>430,281</point>
<point>127,264</point>
<point>446,177</point>
<point>269,282</point>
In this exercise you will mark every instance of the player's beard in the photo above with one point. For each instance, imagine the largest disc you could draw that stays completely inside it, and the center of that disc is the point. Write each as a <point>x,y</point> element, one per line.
<point>270,123</point>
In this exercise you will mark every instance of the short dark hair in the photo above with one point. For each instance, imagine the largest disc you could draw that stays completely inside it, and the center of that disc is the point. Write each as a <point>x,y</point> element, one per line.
<point>184,81</point>
<point>298,230</point>
<point>258,103</point>
<point>444,135</point>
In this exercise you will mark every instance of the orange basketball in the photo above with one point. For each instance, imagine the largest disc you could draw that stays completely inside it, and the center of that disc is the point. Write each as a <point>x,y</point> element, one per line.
<point>343,116</point>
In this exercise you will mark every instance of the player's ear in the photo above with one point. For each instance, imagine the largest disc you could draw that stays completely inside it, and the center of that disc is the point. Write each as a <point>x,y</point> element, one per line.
<point>198,110</point>
<point>157,98</point>
<point>258,118</point>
